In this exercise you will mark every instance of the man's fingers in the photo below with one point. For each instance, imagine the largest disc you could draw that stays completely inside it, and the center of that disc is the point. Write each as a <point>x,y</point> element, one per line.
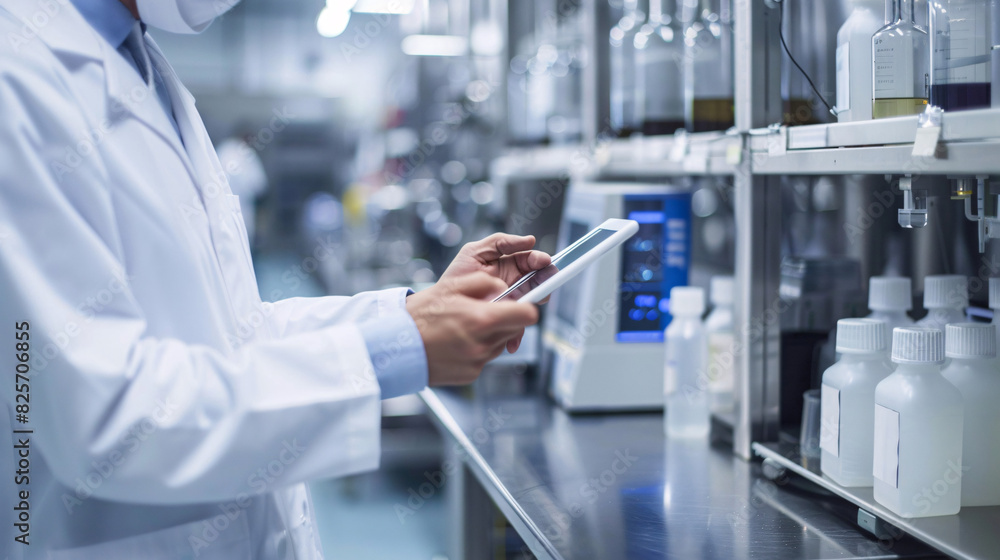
<point>479,285</point>
<point>500,244</point>
<point>505,316</point>
<point>531,260</point>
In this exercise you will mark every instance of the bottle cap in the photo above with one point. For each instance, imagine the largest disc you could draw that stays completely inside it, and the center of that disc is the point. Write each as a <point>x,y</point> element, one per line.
<point>970,340</point>
<point>890,294</point>
<point>994,293</point>
<point>945,292</point>
<point>687,300</point>
<point>859,336</point>
<point>722,290</point>
<point>917,345</point>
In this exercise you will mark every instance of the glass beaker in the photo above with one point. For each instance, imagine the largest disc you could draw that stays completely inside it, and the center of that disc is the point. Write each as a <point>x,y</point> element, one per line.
<point>659,49</point>
<point>961,58</point>
<point>625,119</point>
<point>901,65</point>
<point>708,64</point>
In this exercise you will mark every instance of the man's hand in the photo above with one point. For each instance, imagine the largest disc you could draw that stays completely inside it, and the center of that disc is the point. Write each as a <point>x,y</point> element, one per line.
<point>501,255</point>
<point>462,329</point>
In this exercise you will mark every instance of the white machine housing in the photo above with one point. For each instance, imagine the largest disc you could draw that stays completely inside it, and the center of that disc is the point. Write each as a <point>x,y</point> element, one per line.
<point>598,362</point>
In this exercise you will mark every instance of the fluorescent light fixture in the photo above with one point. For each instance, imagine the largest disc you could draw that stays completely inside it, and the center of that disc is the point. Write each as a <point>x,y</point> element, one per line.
<point>435,45</point>
<point>398,7</point>
<point>332,22</point>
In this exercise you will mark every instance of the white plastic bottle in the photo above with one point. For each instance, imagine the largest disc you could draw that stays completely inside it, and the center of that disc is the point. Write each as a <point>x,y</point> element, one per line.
<point>995,292</point>
<point>848,401</point>
<point>685,381</point>
<point>889,298</point>
<point>721,344</point>
<point>945,298</point>
<point>918,430</point>
<point>854,60</point>
<point>972,348</point>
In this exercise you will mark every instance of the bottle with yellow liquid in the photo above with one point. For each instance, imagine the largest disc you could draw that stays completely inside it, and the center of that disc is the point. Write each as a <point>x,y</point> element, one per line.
<point>901,64</point>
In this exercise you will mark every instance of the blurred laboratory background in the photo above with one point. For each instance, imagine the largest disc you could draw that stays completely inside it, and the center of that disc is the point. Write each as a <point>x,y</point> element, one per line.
<point>370,139</point>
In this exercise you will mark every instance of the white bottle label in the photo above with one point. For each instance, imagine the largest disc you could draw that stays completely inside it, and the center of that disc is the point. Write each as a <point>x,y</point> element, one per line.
<point>844,77</point>
<point>886,464</point>
<point>829,426</point>
<point>721,358</point>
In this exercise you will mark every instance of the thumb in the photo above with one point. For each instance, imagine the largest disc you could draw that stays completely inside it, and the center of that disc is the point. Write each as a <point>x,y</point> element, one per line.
<point>479,285</point>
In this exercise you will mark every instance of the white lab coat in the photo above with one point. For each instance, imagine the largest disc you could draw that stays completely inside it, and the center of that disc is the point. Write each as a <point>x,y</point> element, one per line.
<point>174,414</point>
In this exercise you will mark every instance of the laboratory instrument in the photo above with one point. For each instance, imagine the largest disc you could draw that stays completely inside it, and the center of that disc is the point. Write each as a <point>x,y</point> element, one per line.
<point>603,331</point>
<point>848,401</point>
<point>854,59</point>
<point>995,305</point>
<point>708,64</point>
<point>539,284</point>
<point>685,385</point>
<point>918,430</point>
<point>659,49</point>
<point>972,348</point>
<point>625,119</point>
<point>961,59</point>
<point>901,64</point>
<point>721,343</point>
<point>945,298</point>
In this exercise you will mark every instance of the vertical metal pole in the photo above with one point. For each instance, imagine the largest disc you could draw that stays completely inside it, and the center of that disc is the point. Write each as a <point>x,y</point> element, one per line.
<point>471,512</point>
<point>758,224</point>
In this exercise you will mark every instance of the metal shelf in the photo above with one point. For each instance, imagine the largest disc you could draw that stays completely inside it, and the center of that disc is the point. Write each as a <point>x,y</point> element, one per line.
<point>705,153</point>
<point>971,534</point>
<point>970,144</point>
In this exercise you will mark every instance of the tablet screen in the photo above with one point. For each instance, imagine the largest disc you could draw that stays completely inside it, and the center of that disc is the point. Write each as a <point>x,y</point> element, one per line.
<point>563,259</point>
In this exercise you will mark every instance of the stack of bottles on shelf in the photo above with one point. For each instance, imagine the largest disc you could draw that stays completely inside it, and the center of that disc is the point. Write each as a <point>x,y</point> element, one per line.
<point>894,66</point>
<point>673,68</point>
<point>921,431</point>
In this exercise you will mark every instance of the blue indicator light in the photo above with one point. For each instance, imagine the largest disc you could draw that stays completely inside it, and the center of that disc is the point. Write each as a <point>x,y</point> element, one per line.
<point>648,217</point>
<point>652,315</point>
<point>645,300</point>
<point>665,305</point>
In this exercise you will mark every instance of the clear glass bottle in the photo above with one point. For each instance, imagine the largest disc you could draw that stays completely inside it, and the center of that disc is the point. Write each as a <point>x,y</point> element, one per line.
<point>685,390</point>
<point>972,348</point>
<point>961,58</point>
<point>623,68</point>
<point>708,64</point>
<point>659,49</point>
<point>900,64</point>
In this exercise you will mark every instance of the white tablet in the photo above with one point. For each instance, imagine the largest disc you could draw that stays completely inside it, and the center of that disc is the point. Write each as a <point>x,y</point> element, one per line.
<point>538,285</point>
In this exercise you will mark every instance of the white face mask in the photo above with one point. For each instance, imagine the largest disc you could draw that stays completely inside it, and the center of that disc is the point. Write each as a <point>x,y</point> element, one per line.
<point>182,16</point>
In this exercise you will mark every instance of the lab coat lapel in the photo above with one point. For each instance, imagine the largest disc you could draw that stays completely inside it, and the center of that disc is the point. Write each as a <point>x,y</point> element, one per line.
<point>65,31</point>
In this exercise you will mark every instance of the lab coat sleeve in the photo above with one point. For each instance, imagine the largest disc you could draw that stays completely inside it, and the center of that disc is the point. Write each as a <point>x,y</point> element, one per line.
<point>299,315</point>
<point>156,420</point>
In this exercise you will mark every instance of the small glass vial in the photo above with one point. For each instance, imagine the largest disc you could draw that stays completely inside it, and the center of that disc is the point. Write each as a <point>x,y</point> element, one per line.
<point>972,348</point>
<point>918,430</point>
<point>685,379</point>
<point>659,49</point>
<point>945,298</point>
<point>900,64</point>
<point>848,401</point>
<point>721,344</point>
<point>889,298</point>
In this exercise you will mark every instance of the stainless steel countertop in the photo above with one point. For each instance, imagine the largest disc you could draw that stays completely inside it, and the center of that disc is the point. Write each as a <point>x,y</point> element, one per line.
<point>612,486</point>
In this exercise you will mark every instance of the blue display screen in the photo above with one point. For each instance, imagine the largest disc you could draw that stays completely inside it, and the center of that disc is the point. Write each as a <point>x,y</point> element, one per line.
<point>654,260</point>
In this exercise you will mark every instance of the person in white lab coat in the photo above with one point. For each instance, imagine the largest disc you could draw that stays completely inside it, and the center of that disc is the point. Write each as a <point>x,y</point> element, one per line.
<point>165,411</point>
